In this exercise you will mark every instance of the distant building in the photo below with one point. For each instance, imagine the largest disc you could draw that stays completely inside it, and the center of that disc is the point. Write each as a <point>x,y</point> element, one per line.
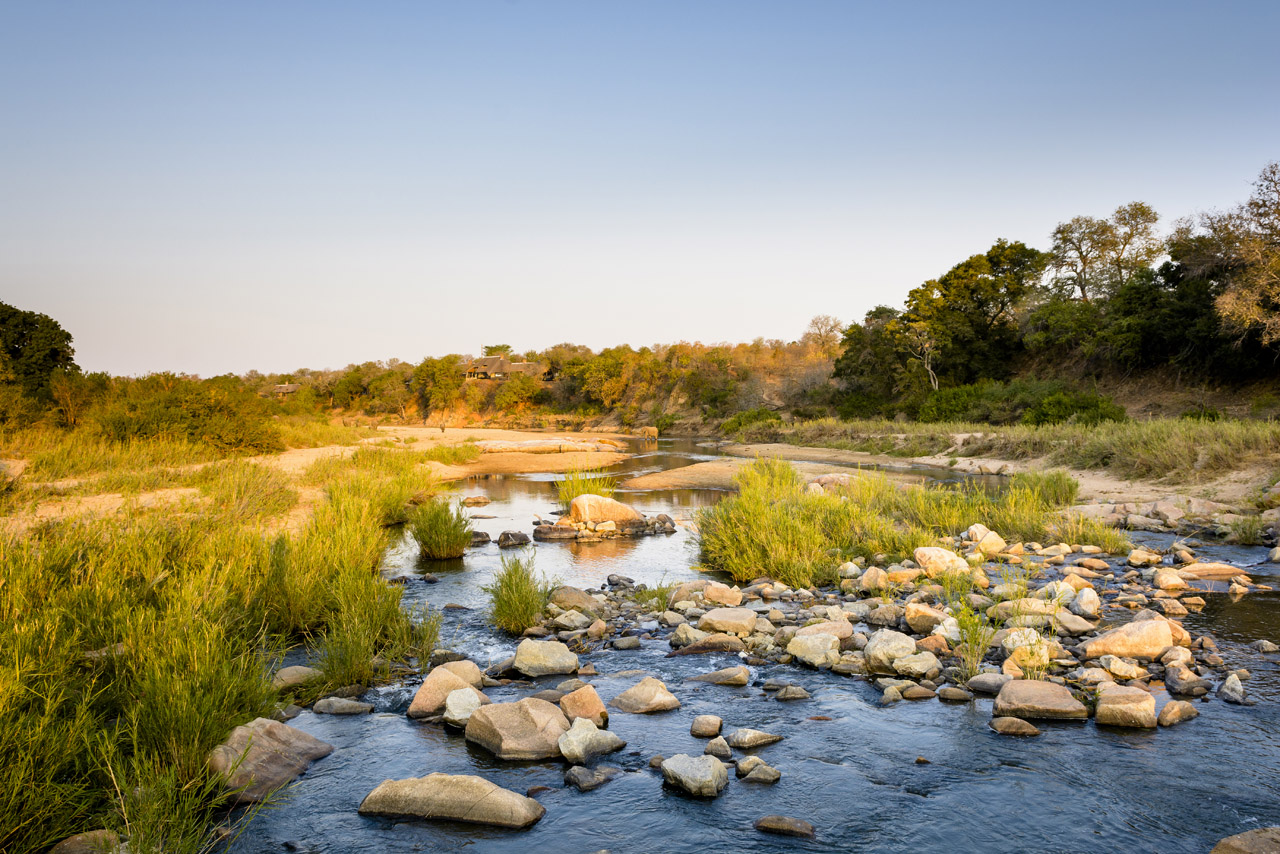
<point>500,367</point>
<point>284,390</point>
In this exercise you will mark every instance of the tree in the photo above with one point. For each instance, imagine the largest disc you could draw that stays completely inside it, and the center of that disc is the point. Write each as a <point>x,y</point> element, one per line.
<point>1248,244</point>
<point>34,346</point>
<point>1096,256</point>
<point>497,350</point>
<point>437,384</point>
<point>515,392</point>
<point>868,364</point>
<point>823,332</point>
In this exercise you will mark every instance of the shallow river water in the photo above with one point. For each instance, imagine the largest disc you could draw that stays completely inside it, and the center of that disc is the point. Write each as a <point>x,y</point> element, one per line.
<point>1078,787</point>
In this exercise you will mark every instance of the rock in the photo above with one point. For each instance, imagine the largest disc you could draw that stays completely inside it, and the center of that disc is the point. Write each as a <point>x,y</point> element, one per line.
<point>728,620</point>
<point>922,619</point>
<point>1028,607</point>
<point>1120,668</point>
<point>784,826</point>
<point>91,842</point>
<point>718,747</point>
<point>711,643</point>
<point>544,658</point>
<point>748,739</point>
<point>1086,604</point>
<point>936,561</point>
<point>732,676</point>
<point>1139,639</point>
<point>839,629</point>
<point>459,705</point>
<point>478,539</point>
<point>722,594</point>
<point>584,741</point>
<point>886,646</point>
<point>705,776</point>
<point>554,532</point>
<point>597,508</point>
<point>1262,840</point>
<point>1071,624</point>
<point>1176,712</point>
<point>1142,557</point>
<point>791,692</point>
<point>571,621</point>
<point>1232,690</point>
<point>455,797</point>
<point>435,689</point>
<point>1264,646</point>
<point>1125,707</point>
<point>991,544</point>
<point>1012,726</point>
<point>585,703</point>
<point>586,779</point>
<point>630,642</point>
<point>922,665</point>
<point>291,677</point>
<point>1179,679</point>
<point>705,726</point>
<point>762,773</point>
<point>341,706</point>
<point>917,692</point>
<point>1210,571</point>
<point>873,579</point>
<point>527,729</point>
<point>988,683</point>
<point>1168,579</point>
<point>574,599</point>
<point>645,697</point>
<point>1034,700</point>
<point>820,650</point>
<point>1273,556</point>
<point>263,755</point>
<point>952,694</point>
<point>512,539</point>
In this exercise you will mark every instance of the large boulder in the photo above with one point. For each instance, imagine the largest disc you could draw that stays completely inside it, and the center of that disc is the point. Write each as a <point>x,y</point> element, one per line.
<point>722,594</point>
<point>886,646</point>
<point>436,688</point>
<point>585,703</point>
<point>922,619</point>
<point>597,508</point>
<point>528,729</point>
<point>937,561</point>
<point>728,620</point>
<point>1260,840</point>
<point>820,650</point>
<point>573,599</point>
<point>704,776</point>
<point>291,677</point>
<point>584,741</point>
<point>645,697</point>
<point>1033,700</point>
<point>838,629</point>
<point>263,755</point>
<point>1122,706</point>
<point>454,797</point>
<point>544,658</point>
<point>1139,639</point>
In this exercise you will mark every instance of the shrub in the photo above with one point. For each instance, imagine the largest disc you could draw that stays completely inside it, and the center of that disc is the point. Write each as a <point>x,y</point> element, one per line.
<point>517,595</point>
<point>1076,408</point>
<point>441,529</point>
<point>747,418</point>
<point>1056,487</point>
<point>584,482</point>
<point>975,636</point>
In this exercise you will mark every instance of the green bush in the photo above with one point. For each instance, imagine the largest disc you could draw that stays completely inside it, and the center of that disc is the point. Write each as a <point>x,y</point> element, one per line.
<point>1056,487</point>
<point>517,595</point>
<point>747,418</point>
<point>441,529</point>
<point>1075,408</point>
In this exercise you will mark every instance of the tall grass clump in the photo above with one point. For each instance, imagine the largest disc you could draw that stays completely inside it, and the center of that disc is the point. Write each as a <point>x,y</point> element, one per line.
<point>441,529</point>
<point>975,637</point>
<point>1081,530</point>
<point>518,595</point>
<point>1055,487</point>
<point>584,482</point>
<point>246,492</point>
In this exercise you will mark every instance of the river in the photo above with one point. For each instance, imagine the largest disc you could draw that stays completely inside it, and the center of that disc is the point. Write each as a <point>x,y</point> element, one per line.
<point>855,777</point>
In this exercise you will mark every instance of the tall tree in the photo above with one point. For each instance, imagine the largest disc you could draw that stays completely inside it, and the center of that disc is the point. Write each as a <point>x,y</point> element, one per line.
<point>1093,257</point>
<point>35,346</point>
<point>437,384</point>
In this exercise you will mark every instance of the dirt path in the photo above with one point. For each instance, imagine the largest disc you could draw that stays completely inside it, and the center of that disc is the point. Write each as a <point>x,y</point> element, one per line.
<point>1233,488</point>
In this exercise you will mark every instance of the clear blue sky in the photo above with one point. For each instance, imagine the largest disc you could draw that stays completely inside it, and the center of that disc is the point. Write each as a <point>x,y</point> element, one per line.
<point>219,186</point>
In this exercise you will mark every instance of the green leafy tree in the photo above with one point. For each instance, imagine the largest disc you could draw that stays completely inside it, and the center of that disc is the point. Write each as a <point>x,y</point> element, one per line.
<point>35,346</point>
<point>1093,257</point>
<point>515,392</point>
<point>868,364</point>
<point>497,350</point>
<point>437,385</point>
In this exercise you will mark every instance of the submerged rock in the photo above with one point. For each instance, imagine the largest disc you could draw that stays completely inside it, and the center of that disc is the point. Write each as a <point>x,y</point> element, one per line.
<point>1013,726</point>
<point>784,826</point>
<point>731,676</point>
<point>455,797</point>
<point>263,755</point>
<point>341,706</point>
<point>746,739</point>
<point>585,779</point>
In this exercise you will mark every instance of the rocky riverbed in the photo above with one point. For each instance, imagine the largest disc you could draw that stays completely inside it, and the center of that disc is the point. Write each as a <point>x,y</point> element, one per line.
<point>844,712</point>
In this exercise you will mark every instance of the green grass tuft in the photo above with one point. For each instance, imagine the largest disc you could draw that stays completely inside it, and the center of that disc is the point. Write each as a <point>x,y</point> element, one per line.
<point>441,529</point>
<point>584,482</point>
<point>518,595</point>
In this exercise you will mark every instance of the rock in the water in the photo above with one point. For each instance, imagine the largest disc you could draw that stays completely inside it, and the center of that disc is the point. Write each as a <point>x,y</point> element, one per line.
<point>704,776</point>
<point>586,779</point>
<point>705,726</point>
<point>1176,712</point>
<point>922,619</point>
<point>574,599</point>
<point>746,739</point>
<point>436,688</point>
<point>1179,679</point>
<point>1262,840</point>
<point>645,697</point>
<point>820,650</point>
<point>839,629</point>
<point>263,755</point>
<point>1024,698</point>
<point>791,692</point>
<point>597,508</point>
<point>722,594</point>
<point>1127,707</point>
<point>733,676</point>
<point>784,826</point>
<point>922,665</point>
<point>459,705</point>
<point>91,842</point>
<point>885,647</point>
<point>762,773</point>
<point>1013,726</point>
<point>937,561</point>
<point>585,703</point>
<point>512,539</point>
<point>1232,690</point>
<point>1086,604</point>
<point>1139,639</point>
<point>455,797</point>
<point>584,742</point>
<point>544,658</point>
<point>728,620</point>
<point>952,694</point>
<point>718,747</point>
<point>988,683</point>
<point>528,729</point>
<point>289,677</point>
<point>341,706</point>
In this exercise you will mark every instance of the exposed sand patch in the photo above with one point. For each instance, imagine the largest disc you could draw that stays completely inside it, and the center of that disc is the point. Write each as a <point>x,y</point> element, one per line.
<point>14,468</point>
<point>719,474</point>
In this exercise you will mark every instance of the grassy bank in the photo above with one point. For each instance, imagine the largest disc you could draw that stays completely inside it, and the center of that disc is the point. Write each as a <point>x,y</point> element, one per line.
<point>131,645</point>
<point>1181,448</point>
<point>774,526</point>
